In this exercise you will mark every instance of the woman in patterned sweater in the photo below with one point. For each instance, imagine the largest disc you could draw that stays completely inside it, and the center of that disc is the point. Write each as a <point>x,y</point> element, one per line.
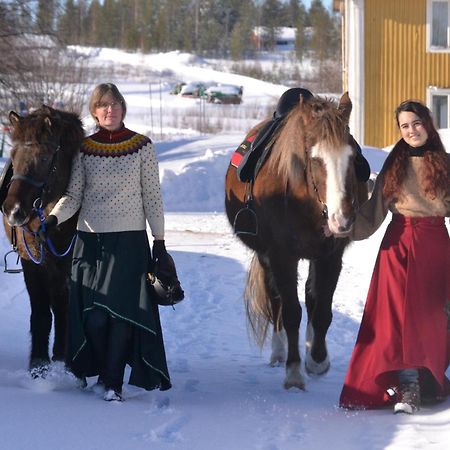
<point>403,346</point>
<point>115,188</point>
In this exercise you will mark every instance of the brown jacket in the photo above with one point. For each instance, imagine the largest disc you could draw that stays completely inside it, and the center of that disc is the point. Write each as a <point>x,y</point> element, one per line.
<point>411,203</point>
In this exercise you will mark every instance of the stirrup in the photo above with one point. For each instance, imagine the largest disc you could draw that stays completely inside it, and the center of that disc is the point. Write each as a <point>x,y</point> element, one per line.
<point>16,269</point>
<point>245,221</point>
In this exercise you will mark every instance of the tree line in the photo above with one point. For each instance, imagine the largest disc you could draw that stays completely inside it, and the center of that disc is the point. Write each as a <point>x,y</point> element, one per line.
<point>216,28</point>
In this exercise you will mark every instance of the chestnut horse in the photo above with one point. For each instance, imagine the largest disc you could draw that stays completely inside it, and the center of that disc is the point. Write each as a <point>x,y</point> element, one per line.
<point>307,185</point>
<point>44,144</point>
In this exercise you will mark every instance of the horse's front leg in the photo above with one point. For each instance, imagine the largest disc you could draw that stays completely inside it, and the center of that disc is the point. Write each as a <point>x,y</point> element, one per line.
<point>40,319</point>
<point>59,305</point>
<point>320,286</point>
<point>285,278</point>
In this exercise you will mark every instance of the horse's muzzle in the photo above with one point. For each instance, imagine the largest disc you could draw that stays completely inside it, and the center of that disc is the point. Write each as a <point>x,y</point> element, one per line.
<point>17,216</point>
<point>339,224</point>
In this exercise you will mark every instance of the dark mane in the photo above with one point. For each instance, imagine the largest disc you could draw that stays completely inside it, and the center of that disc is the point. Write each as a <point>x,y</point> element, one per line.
<point>46,125</point>
<point>67,124</point>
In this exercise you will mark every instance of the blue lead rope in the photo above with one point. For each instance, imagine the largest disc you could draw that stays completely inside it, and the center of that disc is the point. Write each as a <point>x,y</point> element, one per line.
<point>37,206</point>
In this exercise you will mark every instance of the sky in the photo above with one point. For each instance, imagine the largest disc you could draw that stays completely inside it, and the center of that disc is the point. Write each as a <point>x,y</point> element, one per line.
<point>225,396</point>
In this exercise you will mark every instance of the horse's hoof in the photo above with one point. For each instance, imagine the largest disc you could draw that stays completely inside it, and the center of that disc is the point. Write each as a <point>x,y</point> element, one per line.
<point>314,368</point>
<point>294,377</point>
<point>279,344</point>
<point>276,362</point>
<point>39,372</point>
<point>299,385</point>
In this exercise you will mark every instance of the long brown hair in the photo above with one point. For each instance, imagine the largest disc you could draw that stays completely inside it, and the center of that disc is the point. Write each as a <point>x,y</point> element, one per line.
<point>435,171</point>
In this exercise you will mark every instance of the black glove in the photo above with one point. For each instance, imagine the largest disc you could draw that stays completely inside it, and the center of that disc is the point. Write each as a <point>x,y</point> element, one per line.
<point>46,227</point>
<point>161,260</point>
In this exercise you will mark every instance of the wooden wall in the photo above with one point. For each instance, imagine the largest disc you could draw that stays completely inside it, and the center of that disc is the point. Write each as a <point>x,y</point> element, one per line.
<point>396,64</point>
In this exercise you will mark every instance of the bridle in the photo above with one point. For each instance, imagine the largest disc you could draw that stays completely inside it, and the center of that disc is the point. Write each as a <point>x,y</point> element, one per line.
<point>42,185</point>
<point>307,166</point>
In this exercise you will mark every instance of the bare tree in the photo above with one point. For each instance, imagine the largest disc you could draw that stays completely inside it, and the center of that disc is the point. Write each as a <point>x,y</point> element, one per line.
<point>36,68</point>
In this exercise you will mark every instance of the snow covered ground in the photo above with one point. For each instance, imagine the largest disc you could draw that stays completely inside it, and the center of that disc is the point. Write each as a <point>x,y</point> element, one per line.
<point>224,396</point>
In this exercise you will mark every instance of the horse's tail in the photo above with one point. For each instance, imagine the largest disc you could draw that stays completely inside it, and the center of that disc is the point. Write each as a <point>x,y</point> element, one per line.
<point>257,302</point>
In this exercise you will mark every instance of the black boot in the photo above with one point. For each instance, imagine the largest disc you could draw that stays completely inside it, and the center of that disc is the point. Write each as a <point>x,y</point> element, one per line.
<point>409,401</point>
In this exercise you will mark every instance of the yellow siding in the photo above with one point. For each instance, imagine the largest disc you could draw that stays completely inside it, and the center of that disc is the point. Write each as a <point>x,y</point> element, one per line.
<point>396,66</point>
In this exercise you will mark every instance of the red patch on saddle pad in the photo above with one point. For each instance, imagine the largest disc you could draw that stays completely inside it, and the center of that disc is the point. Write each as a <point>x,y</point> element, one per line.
<point>240,152</point>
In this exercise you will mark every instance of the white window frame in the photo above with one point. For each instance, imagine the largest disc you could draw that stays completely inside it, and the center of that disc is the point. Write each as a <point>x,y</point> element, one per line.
<point>432,91</point>
<point>430,48</point>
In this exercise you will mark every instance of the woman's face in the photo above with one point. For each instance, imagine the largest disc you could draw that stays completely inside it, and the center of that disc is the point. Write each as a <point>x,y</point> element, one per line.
<point>411,128</point>
<point>109,112</point>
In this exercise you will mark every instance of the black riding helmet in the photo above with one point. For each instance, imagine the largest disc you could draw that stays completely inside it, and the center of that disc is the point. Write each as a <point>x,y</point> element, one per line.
<point>165,286</point>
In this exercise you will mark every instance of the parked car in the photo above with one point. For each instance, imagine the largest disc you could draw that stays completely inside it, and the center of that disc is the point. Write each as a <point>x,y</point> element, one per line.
<point>225,94</point>
<point>177,88</point>
<point>194,89</point>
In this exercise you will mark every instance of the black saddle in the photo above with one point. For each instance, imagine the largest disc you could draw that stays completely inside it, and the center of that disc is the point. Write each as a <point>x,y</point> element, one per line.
<point>255,157</point>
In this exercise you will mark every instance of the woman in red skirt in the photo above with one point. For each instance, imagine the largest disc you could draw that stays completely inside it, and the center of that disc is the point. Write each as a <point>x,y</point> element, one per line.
<point>403,346</point>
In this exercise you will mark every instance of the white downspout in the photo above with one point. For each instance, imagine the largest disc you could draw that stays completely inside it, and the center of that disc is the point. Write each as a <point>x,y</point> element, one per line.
<point>354,57</point>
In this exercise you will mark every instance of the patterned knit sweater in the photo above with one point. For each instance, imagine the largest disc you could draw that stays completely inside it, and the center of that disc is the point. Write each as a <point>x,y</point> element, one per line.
<point>115,185</point>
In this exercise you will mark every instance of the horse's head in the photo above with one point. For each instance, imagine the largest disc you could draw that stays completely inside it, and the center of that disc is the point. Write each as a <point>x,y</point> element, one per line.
<point>329,144</point>
<point>318,148</point>
<point>36,140</point>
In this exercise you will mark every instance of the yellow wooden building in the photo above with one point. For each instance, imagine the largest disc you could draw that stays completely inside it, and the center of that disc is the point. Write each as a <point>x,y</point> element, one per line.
<point>394,50</point>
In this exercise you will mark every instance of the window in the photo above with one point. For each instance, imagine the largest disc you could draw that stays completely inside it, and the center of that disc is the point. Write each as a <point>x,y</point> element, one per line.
<point>438,25</point>
<point>439,103</point>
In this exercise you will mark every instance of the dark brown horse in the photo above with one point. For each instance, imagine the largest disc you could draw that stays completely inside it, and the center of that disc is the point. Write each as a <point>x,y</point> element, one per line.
<point>308,184</point>
<point>44,144</point>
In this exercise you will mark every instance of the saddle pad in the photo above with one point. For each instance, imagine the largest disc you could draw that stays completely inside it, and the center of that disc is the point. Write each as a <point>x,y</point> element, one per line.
<point>241,151</point>
<point>255,156</point>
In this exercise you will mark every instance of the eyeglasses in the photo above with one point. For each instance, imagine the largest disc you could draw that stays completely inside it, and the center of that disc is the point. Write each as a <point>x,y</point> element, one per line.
<point>106,105</point>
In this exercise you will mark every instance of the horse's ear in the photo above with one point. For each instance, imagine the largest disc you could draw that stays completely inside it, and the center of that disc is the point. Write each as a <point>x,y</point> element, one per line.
<point>345,105</point>
<point>47,109</point>
<point>14,118</point>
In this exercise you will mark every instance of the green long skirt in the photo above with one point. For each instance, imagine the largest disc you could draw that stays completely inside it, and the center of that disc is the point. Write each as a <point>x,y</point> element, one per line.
<point>109,271</point>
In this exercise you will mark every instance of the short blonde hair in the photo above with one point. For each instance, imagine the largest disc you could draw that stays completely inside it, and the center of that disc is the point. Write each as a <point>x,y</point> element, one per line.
<point>99,91</point>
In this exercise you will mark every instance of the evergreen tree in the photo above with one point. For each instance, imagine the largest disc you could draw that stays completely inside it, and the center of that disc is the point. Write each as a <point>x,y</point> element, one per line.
<point>298,13</point>
<point>68,28</point>
<point>93,23</point>
<point>322,27</point>
<point>272,18</point>
<point>241,36</point>
<point>45,16</point>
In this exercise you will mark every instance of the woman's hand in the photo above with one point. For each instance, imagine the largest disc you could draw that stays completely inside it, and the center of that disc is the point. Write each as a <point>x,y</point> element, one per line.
<point>162,261</point>
<point>46,227</point>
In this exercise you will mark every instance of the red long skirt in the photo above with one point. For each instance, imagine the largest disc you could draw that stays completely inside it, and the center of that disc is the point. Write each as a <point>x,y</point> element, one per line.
<point>404,324</point>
